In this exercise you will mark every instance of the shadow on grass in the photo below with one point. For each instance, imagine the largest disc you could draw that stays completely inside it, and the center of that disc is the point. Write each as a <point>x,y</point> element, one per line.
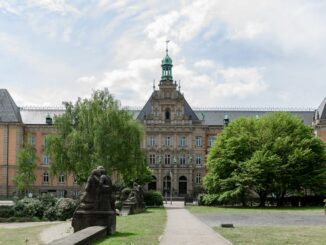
<point>116,235</point>
<point>123,234</point>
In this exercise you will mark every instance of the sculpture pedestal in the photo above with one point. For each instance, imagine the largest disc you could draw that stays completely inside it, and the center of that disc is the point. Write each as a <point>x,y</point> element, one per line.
<point>86,218</point>
<point>130,207</point>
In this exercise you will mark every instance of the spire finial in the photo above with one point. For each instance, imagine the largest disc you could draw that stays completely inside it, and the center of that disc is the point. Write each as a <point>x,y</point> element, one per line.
<point>154,85</point>
<point>179,85</point>
<point>167,46</point>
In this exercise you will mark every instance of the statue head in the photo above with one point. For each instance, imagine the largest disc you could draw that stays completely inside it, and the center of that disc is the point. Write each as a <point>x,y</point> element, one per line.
<point>101,169</point>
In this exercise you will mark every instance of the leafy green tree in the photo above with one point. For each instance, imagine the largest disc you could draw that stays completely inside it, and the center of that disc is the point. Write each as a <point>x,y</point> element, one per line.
<point>276,154</point>
<point>95,132</point>
<point>26,165</point>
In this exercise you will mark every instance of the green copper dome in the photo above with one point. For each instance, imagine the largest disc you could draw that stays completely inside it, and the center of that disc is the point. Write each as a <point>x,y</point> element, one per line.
<point>167,60</point>
<point>167,68</point>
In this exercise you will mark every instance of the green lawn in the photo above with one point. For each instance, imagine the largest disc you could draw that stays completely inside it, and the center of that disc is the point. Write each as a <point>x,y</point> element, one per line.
<point>230,210</point>
<point>268,235</point>
<point>139,229</point>
<point>18,236</point>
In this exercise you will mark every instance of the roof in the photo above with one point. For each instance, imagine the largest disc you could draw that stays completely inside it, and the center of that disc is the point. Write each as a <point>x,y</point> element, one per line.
<point>321,111</point>
<point>37,115</point>
<point>9,112</point>
<point>216,117</point>
<point>147,109</point>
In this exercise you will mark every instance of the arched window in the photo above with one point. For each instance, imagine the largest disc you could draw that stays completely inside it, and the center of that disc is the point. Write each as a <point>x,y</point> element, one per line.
<point>167,114</point>
<point>45,177</point>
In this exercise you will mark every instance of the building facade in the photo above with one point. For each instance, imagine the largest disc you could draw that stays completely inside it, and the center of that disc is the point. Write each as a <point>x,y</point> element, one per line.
<point>177,138</point>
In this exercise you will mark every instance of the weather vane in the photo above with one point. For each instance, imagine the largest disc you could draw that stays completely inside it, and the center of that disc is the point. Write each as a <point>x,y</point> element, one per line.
<point>167,44</point>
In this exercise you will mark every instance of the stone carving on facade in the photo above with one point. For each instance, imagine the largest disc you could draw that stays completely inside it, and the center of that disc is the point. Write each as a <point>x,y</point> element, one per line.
<point>97,203</point>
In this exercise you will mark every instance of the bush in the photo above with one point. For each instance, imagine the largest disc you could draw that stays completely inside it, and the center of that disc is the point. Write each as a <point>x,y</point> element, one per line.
<point>47,200</point>
<point>50,214</point>
<point>6,211</point>
<point>65,208</point>
<point>28,207</point>
<point>208,199</point>
<point>153,198</point>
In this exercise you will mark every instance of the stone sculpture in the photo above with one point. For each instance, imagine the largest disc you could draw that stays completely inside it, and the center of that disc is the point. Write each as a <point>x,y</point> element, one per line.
<point>135,201</point>
<point>97,203</point>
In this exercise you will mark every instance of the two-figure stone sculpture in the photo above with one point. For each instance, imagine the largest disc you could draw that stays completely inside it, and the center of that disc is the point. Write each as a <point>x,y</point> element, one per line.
<point>96,207</point>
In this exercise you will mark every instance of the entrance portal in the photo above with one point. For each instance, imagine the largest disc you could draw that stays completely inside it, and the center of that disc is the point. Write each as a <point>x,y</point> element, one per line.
<point>182,185</point>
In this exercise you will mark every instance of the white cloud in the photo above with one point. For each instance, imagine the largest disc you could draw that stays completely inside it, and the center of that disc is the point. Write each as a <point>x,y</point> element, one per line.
<point>86,79</point>
<point>59,6</point>
<point>7,7</point>
<point>205,64</point>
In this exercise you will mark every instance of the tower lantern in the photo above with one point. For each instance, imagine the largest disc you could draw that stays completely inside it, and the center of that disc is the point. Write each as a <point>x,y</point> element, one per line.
<point>167,65</point>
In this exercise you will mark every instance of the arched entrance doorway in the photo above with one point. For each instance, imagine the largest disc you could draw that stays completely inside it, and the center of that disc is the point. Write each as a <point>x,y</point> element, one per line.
<point>166,185</point>
<point>152,184</point>
<point>182,185</point>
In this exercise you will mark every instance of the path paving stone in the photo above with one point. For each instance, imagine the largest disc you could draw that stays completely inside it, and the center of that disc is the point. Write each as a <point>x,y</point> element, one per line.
<point>184,228</point>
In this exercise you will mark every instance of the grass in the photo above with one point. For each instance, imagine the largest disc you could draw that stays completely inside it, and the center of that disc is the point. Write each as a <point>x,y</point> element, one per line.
<point>139,229</point>
<point>270,235</point>
<point>238,210</point>
<point>17,236</point>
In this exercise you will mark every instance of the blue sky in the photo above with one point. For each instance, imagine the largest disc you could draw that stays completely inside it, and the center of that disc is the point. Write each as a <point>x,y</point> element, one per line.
<point>228,53</point>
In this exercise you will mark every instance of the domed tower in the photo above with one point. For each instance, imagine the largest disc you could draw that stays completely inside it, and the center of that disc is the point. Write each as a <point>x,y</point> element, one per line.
<point>167,67</point>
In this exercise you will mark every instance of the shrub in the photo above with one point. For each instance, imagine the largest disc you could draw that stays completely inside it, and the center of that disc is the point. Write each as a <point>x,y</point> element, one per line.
<point>6,211</point>
<point>65,208</point>
<point>28,207</point>
<point>208,199</point>
<point>50,214</point>
<point>153,198</point>
<point>47,200</point>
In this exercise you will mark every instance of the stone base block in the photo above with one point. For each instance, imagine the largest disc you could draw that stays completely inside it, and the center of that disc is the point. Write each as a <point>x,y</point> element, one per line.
<point>86,218</point>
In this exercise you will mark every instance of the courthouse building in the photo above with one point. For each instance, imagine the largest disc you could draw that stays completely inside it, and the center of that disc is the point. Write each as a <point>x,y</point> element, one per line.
<point>177,138</point>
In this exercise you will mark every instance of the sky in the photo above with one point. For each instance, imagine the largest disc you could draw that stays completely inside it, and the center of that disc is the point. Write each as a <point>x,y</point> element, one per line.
<point>226,53</point>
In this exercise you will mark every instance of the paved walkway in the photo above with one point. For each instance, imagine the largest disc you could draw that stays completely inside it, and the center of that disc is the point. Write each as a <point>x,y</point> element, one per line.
<point>185,229</point>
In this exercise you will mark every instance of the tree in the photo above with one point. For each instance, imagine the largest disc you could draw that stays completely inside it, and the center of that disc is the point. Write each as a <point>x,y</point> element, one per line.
<point>26,165</point>
<point>95,132</point>
<point>274,155</point>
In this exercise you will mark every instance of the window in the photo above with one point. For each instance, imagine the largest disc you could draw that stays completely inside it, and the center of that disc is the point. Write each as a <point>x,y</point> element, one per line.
<point>76,194</point>
<point>167,114</point>
<point>199,141</point>
<point>45,141</point>
<point>61,193</point>
<point>75,180</point>
<point>182,140</point>
<point>31,139</point>
<point>45,159</point>
<point>211,140</point>
<point>45,177</point>
<point>167,159</point>
<point>61,178</point>
<point>151,140</point>
<point>198,159</point>
<point>152,159</point>
<point>198,179</point>
<point>182,159</point>
<point>167,141</point>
